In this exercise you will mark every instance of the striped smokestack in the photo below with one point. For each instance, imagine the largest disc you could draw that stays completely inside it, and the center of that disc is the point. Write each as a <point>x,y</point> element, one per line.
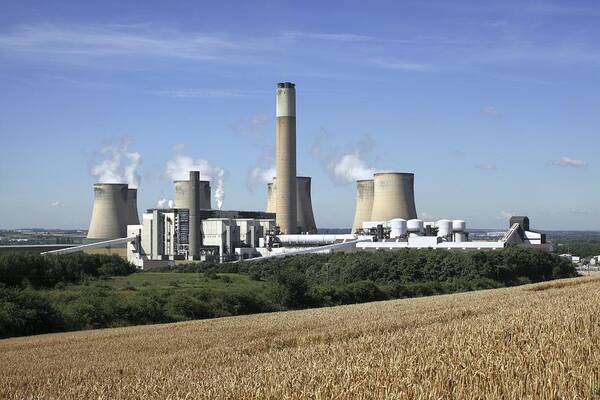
<point>285,156</point>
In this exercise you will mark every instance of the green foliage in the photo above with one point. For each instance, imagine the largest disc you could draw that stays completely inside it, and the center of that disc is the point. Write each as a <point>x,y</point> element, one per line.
<point>21,270</point>
<point>48,294</point>
<point>26,312</point>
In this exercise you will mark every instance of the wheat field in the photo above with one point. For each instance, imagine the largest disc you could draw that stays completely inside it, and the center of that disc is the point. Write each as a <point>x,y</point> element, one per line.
<point>529,342</point>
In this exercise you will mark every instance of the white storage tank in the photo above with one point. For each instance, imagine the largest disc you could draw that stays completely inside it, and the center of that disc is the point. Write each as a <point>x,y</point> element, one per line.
<point>414,225</point>
<point>445,227</point>
<point>398,227</point>
<point>459,225</point>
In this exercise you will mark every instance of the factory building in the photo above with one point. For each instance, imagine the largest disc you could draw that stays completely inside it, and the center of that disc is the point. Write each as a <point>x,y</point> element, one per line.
<point>385,217</point>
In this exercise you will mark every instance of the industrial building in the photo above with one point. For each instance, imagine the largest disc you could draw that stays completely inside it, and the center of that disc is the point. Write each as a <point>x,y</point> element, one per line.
<point>385,217</point>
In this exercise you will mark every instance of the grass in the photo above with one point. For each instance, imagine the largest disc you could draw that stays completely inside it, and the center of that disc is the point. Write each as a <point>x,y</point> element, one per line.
<point>171,281</point>
<point>512,343</point>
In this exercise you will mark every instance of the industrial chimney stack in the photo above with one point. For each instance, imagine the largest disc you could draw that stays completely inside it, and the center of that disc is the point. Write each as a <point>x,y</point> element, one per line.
<point>110,211</point>
<point>195,234</point>
<point>364,203</point>
<point>285,157</point>
<point>393,196</point>
<point>271,201</point>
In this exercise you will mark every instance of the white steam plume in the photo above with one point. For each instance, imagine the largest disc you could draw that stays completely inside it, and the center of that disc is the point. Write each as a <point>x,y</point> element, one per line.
<point>162,203</point>
<point>344,165</point>
<point>260,175</point>
<point>350,168</point>
<point>117,165</point>
<point>179,169</point>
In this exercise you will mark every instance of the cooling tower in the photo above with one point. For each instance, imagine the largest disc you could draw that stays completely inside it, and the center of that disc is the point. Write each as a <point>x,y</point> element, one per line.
<point>285,158</point>
<point>133,218</point>
<point>182,195</point>
<point>195,235</point>
<point>271,208</point>
<point>304,210</point>
<point>393,196</point>
<point>110,212</point>
<point>364,203</point>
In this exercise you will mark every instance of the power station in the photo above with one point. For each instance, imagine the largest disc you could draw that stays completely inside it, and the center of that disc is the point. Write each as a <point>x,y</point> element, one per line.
<point>385,217</point>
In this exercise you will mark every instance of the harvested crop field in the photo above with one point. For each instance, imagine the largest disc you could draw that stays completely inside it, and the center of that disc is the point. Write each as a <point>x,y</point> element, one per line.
<point>514,343</point>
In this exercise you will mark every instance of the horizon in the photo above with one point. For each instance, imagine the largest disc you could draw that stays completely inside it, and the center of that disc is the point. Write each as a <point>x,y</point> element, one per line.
<point>492,106</point>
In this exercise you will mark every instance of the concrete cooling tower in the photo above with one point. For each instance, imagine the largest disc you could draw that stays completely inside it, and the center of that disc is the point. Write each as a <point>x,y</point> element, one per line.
<point>364,203</point>
<point>110,211</point>
<point>182,195</point>
<point>285,158</point>
<point>133,218</point>
<point>393,196</point>
<point>304,210</point>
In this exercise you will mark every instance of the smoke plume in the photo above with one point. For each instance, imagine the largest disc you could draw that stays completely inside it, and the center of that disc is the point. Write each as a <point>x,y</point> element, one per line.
<point>349,168</point>
<point>116,164</point>
<point>344,165</point>
<point>162,203</point>
<point>179,169</point>
<point>260,176</point>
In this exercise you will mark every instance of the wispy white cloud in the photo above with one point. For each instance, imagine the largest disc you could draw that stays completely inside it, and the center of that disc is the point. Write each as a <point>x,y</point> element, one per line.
<point>489,110</point>
<point>253,125</point>
<point>486,167</point>
<point>334,37</point>
<point>401,65</point>
<point>56,204</point>
<point>565,161</point>
<point>202,93</point>
<point>123,41</point>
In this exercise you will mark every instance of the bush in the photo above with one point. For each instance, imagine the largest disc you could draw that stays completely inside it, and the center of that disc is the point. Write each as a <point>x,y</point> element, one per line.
<point>22,270</point>
<point>27,312</point>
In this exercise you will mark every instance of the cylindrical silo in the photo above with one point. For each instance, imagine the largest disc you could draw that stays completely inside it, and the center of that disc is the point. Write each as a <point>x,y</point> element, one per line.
<point>444,228</point>
<point>398,227</point>
<point>304,211</point>
<point>393,196</point>
<point>285,158</point>
<point>364,203</point>
<point>415,226</point>
<point>109,213</point>
<point>182,194</point>
<point>195,235</point>
<point>271,197</point>
<point>133,217</point>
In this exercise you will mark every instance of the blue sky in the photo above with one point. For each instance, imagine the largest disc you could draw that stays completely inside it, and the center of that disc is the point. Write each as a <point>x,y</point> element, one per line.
<point>493,105</point>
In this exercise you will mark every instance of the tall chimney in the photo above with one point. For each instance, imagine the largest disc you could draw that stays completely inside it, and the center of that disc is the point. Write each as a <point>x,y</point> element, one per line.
<point>393,196</point>
<point>271,201</point>
<point>195,235</point>
<point>109,213</point>
<point>306,218</point>
<point>133,217</point>
<point>285,156</point>
<point>364,203</point>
